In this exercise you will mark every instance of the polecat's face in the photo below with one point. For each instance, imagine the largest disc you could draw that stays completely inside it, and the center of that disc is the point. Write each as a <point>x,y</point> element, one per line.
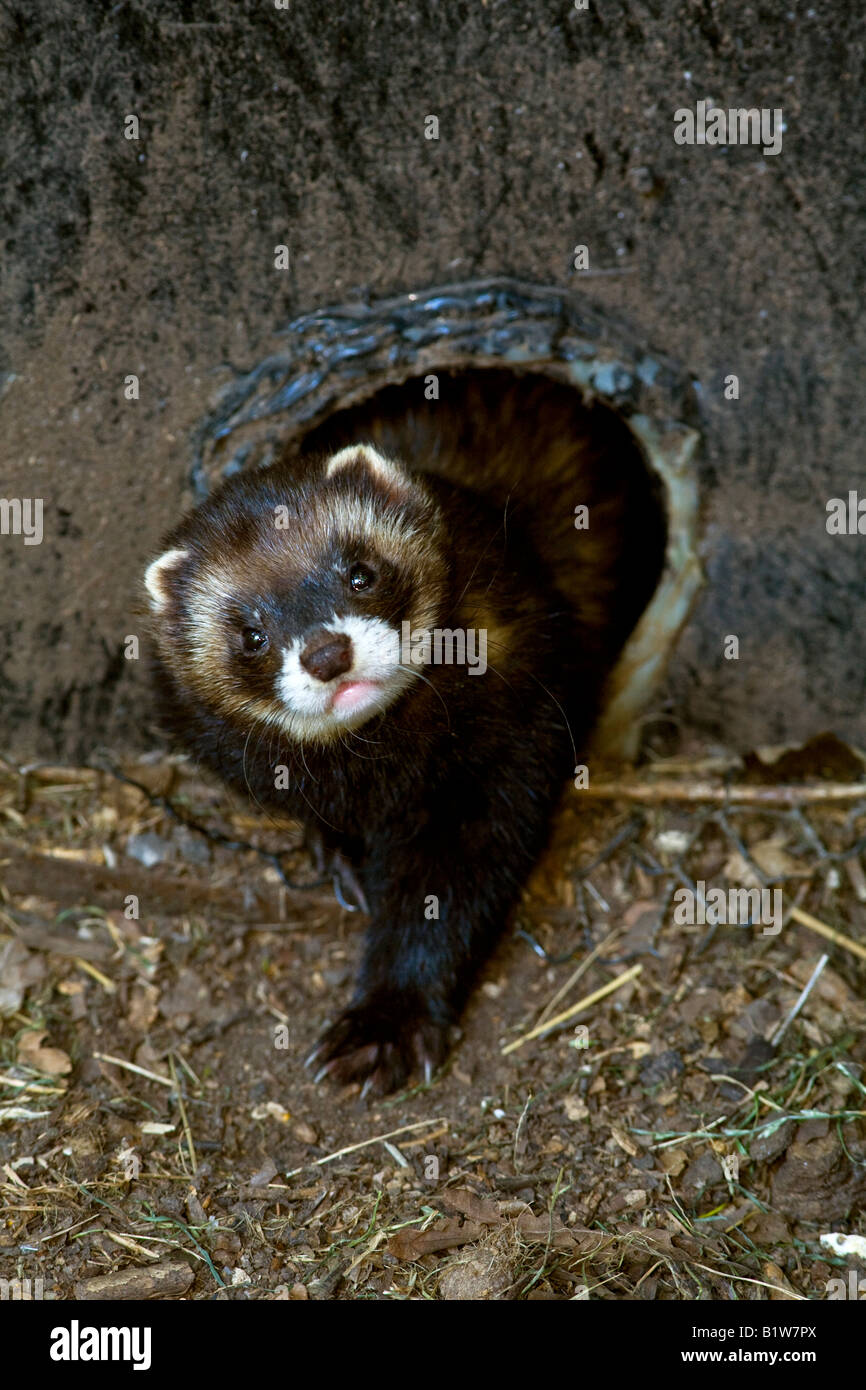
<point>281,602</point>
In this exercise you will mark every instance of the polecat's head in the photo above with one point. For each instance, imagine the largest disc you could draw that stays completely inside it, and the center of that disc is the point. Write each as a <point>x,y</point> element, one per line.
<point>281,599</point>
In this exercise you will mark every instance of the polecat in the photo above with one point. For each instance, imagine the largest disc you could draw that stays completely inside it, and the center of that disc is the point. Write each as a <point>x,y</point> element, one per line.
<point>297,614</point>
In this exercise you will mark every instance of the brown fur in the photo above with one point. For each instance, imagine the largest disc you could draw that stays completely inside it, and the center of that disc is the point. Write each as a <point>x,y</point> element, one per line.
<point>445,795</point>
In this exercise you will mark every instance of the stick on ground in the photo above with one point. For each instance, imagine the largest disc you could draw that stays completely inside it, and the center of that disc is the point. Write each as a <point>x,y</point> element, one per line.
<point>577,1008</point>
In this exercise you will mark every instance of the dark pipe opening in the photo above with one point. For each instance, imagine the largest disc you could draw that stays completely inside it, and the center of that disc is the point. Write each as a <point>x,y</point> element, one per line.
<point>533,445</point>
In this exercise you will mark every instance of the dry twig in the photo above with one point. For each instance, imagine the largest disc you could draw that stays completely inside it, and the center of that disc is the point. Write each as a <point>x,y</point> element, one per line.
<point>815,924</point>
<point>577,1008</point>
<point>668,789</point>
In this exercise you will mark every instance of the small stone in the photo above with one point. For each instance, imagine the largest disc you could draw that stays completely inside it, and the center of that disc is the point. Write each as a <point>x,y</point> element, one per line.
<point>642,179</point>
<point>664,1067</point>
<point>149,849</point>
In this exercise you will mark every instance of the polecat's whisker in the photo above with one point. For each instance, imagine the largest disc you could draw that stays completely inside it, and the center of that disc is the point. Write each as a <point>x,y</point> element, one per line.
<point>436,692</point>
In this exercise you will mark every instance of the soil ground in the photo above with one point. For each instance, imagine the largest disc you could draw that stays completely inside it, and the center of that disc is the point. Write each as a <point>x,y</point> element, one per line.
<point>673,1141</point>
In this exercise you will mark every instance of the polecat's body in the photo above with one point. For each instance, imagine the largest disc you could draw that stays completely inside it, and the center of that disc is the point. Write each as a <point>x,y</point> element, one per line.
<point>282,610</point>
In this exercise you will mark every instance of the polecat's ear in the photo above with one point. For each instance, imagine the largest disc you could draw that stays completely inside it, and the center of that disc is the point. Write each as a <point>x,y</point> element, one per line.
<point>157,577</point>
<point>383,471</point>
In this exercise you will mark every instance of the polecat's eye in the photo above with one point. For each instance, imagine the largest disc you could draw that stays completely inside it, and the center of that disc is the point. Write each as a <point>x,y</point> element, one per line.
<point>360,578</point>
<point>254,640</point>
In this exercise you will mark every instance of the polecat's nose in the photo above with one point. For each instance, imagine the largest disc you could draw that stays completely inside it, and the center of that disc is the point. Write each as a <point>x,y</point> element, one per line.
<point>327,655</point>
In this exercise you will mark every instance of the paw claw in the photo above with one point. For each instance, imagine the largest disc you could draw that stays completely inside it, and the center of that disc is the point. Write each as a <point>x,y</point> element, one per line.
<point>381,1044</point>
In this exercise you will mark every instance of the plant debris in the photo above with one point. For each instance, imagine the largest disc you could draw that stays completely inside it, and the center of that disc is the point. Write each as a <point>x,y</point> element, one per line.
<point>641,1106</point>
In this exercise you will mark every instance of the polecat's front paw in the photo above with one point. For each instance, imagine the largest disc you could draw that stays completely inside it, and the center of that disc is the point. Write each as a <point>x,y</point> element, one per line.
<point>381,1045</point>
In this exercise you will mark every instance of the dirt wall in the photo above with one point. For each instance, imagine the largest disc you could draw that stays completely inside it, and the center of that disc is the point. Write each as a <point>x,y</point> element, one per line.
<point>305,126</point>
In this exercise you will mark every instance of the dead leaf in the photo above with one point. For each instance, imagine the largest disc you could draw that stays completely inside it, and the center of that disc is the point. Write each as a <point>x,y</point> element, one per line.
<point>625,1141</point>
<point>51,1061</point>
<point>143,1007</point>
<point>544,1230</point>
<point>773,859</point>
<point>673,1161</point>
<point>468,1203</point>
<point>767,1228</point>
<point>774,1275</point>
<point>641,922</point>
<point>18,969</point>
<point>411,1244</point>
<point>738,870</point>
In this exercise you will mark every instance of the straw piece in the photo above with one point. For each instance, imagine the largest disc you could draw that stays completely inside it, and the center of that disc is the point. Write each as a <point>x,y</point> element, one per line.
<point>577,1008</point>
<point>815,924</point>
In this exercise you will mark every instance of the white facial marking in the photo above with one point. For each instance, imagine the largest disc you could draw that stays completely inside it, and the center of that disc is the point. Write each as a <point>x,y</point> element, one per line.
<point>375,679</point>
<point>156,577</point>
<point>299,690</point>
<point>376,647</point>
